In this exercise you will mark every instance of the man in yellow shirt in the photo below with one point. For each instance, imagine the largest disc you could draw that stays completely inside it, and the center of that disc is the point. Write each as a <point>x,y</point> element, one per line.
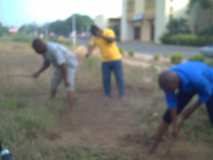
<point>105,40</point>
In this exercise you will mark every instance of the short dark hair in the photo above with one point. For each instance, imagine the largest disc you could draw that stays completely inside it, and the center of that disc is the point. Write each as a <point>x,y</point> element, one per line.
<point>94,29</point>
<point>36,42</point>
<point>166,78</point>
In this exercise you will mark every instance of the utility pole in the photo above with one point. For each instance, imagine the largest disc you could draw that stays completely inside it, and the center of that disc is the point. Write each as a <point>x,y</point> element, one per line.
<point>74,38</point>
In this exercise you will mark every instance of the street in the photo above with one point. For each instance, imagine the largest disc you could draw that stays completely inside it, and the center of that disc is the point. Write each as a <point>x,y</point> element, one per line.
<point>151,48</point>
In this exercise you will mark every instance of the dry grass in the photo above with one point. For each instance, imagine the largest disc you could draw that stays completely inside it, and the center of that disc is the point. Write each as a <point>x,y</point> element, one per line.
<point>35,128</point>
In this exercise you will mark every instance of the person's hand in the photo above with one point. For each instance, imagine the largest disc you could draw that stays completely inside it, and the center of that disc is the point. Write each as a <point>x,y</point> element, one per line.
<point>35,75</point>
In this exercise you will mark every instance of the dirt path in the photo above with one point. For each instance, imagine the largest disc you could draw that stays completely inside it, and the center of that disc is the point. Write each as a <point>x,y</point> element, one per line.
<point>96,121</point>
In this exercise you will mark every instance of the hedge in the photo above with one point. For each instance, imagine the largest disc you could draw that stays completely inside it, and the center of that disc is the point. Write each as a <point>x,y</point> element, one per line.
<point>187,39</point>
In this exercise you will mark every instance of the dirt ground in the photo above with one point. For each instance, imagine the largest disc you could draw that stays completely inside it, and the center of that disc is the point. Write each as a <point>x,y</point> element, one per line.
<point>115,125</point>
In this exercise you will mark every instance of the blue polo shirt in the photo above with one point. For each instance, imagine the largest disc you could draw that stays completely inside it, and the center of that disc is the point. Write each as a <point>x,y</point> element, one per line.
<point>194,76</point>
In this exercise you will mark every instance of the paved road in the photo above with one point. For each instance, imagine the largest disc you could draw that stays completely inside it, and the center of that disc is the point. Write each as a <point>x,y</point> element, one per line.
<point>151,48</point>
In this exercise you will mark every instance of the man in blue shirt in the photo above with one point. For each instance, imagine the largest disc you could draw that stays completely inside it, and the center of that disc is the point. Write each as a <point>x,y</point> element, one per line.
<point>180,84</point>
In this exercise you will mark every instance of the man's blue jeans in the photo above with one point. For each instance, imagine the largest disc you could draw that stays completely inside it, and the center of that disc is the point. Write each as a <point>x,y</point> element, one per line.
<point>117,68</point>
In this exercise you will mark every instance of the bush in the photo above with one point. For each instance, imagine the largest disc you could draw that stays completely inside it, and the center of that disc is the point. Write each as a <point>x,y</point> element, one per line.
<point>186,39</point>
<point>156,57</point>
<point>176,58</point>
<point>131,53</point>
<point>198,57</point>
<point>20,37</point>
<point>209,61</point>
<point>121,51</point>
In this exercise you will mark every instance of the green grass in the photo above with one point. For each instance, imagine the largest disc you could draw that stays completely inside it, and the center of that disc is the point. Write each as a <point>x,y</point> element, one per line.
<point>131,53</point>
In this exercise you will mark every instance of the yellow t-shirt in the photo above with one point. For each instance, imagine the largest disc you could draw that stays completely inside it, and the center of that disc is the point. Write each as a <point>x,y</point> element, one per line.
<point>109,51</point>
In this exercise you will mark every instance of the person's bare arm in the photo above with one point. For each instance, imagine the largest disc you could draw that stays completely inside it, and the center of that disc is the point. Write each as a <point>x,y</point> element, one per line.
<point>188,112</point>
<point>44,67</point>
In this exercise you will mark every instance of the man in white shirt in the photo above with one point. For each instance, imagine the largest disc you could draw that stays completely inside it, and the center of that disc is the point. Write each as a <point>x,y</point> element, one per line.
<point>64,62</point>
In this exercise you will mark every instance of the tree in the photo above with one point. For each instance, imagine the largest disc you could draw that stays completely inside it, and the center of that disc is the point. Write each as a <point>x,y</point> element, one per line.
<point>205,4</point>
<point>176,26</point>
<point>3,30</point>
<point>30,28</point>
<point>201,12</point>
<point>83,23</point>
<point>59,27</point>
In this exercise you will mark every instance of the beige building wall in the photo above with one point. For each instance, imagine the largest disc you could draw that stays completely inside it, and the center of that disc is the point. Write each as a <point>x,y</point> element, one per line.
<point>139,6</point>
<point>158,10</point>
<point>165,9</point>
<point>146,31</point>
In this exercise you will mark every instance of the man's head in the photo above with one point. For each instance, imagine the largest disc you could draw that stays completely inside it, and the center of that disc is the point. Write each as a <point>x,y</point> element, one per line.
<point>39,46</point>
<point>95,30</point>
<point>168,81</point>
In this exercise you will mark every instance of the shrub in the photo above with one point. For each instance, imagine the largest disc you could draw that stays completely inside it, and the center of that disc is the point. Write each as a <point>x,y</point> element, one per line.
<point>176,58</point>
<point>131,53</point>
<point>198,57</point>
<point>186,39</point>
<point>156,57</point>
<point>121,51</point>
<point>20,37</point>
<point>91,62</point>
<point>209,61</point>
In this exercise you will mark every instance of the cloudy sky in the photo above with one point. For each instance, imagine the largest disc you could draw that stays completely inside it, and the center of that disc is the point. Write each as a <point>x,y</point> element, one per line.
<point>18,12</point>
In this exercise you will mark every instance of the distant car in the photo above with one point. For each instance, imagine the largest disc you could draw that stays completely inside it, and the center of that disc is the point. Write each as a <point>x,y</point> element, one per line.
<point>207,51</point>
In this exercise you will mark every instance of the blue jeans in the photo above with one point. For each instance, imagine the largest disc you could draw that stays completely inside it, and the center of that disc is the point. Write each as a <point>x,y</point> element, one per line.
<point>117,68</point>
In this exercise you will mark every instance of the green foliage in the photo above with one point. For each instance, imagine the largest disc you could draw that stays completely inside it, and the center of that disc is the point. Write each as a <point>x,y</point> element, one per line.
<point>207,32</point>
<point>186,39</point>
<point>121,51</point>
<point>59,27</point>
<point>22,37</point>
<point>131,53</point>
<point>198,57</point>
<point>30,28</point>
<point>156,57</point>
<point>205,4</point>
<point>176,58</point>
<point>91,62</point>
<point>23,124</point>
<point>209,61</point>
<point>3,30</point>
<point>178,26</point>
<point>8,103</point>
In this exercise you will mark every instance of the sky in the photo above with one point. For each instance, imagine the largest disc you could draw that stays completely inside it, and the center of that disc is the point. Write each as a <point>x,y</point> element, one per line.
<point>19,12</point>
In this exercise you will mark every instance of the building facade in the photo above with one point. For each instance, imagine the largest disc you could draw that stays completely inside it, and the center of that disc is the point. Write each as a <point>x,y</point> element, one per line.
<point>146,20</point>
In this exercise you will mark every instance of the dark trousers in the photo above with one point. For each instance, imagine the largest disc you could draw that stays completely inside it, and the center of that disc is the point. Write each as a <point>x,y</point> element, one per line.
<point>183,99</point>
<point>117,68</point>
